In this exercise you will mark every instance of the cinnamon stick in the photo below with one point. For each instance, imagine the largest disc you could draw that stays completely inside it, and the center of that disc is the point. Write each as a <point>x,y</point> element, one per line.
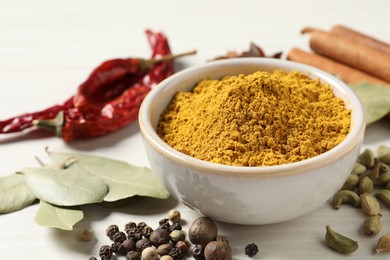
<point>361,38</point>
<point>346,73</point>
<point>351,53</point>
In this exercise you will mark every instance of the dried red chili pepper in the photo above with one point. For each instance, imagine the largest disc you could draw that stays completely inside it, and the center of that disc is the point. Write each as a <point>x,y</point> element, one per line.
<point>86,121</point>
<point>112,77</point>
<point>21,122</point>
<point>104,102</point>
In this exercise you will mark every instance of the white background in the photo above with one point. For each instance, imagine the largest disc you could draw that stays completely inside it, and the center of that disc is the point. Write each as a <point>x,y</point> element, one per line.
<point>47,48</point>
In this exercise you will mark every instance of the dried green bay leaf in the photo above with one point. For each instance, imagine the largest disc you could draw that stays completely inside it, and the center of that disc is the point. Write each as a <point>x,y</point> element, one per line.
<point>375,99</point>
<point>123,180</point>
<point>14,193</point>
<point>49,215</point>
<point>69,186</point>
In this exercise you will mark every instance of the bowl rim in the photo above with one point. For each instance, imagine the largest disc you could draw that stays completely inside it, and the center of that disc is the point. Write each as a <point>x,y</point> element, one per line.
<point>353,138</point>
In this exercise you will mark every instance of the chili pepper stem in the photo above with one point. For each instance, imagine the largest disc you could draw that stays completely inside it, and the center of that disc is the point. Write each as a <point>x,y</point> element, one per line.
<point>151,62</point>
<point>53,125</point>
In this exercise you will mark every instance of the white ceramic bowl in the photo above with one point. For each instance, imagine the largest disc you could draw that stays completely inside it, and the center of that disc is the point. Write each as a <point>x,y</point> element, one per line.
<point>249,195</point>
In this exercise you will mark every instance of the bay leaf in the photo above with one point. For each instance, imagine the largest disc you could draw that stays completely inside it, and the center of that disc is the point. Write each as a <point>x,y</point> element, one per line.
<point>375,99</point>
<point>49,215</point>
<point>123,179</point>
<point>65,187</point>
<point>14,193</point>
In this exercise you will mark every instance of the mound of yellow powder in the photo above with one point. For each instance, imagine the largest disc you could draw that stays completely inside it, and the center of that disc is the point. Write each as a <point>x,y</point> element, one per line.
<point>255,120</point>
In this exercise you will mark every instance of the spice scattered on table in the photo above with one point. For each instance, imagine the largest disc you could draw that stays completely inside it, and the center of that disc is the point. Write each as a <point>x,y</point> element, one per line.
<point>339,242</point>
<point>383,244</point>
<point>169,242</point>
<point>255,120</point>
<point>251,250</point>
<point>369,192</point>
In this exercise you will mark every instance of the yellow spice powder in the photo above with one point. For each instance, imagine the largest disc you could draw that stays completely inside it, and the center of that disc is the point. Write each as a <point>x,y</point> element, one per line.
<point>255,120</point>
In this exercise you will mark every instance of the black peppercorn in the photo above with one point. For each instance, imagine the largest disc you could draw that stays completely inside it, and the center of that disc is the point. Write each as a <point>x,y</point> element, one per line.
<point>111,230</point>
<point>92,258</point>
<point>251,250</point>
<point>129,245</point>
<point>176,253</point>
<point>146,231</point>
<point>164,224</point>
<point>105,251</point>
<point>119,237</point>
<point>142,244</point>
<point>118,248</point>
<point>159,237</point>
<point>134,233</point>
<point>175,226</point>
<point>133,255</point>
<point>130,225</point>
<point>141,225</point>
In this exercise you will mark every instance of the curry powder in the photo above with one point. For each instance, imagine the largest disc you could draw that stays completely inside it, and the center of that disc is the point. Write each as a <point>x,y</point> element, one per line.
<point>255,120</point>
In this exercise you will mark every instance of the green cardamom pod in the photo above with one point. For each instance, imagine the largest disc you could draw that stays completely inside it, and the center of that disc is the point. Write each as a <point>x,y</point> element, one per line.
<point>358,169</point>
<point>367,158</point>
<point>383,179</point>
<point>379,169</point>
<point>351,182</point>
<point>339,243</point>
<point>370,205</point>
<point>345,197</point>
<point>372,225</point>
<point>384,153</point>
<point>384,196</point>
<point>383,244</point>
<point>365,185</point>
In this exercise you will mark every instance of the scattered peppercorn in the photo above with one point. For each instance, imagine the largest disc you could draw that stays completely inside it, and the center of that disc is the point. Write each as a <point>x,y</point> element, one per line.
<point>159,237</point>
<point>119,237</point>
<point>149,253</point>
<point>164,224</point>
<point>174,216</point>
<point>175,226</point>
<point>105,251</point>
<point>133,255</point>
<point>134,233</point>
<point>183,246</point>
<point>129,245</point>
<point>168,241</point>
<point>218,250</point>
<point>130,225</point>
<point>251,250</point>
<point>176,253</point>
<point>141,244</point>
<point>146,231</point>
<point>202,231</point>
<point>111,230</point>
<point>177,235</point>
<point>164,249</point>
<point>118,248</point>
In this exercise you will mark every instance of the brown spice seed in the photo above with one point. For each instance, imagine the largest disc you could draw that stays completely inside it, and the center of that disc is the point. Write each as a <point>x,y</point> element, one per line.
<point>251,250</point>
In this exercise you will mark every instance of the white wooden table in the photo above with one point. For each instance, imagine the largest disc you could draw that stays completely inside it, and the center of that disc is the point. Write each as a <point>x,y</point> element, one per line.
<point>47,48</point>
